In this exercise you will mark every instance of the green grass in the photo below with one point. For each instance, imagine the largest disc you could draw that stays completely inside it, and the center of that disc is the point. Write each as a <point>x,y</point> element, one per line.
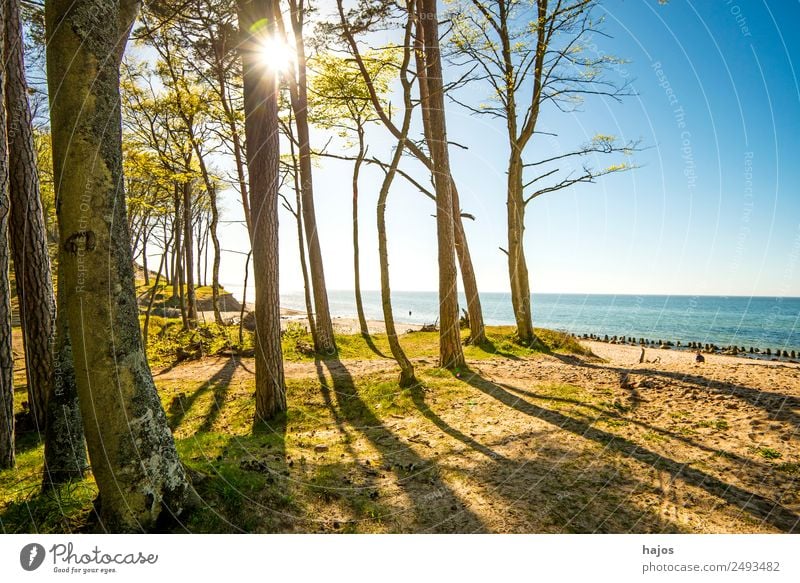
<point>284,476</point>
<point>168,342</point>
<point>768,453</point>
<point>297,345</point>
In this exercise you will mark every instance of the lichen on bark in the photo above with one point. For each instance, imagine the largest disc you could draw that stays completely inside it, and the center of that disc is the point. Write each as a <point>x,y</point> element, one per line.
<point>132,452</point>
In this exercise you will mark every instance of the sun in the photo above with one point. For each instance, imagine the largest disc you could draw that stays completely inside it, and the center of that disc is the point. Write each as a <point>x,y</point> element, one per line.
<point>276,54</point>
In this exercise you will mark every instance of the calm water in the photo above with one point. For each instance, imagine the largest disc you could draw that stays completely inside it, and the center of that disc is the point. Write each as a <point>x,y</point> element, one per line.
<point>759,322</point>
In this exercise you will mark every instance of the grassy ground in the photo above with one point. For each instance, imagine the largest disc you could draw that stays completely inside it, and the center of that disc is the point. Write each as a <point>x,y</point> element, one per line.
<point>523,441</point>
<point>238,466</point>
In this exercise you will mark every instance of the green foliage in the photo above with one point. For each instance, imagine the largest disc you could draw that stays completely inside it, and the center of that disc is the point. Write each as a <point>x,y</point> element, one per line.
<point>768,453</point>
<point>339,99</point>
<point>297,342</point>
<point>169,343</point>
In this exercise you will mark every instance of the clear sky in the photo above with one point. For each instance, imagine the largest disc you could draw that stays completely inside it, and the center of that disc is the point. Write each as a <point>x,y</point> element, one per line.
<point>714,208</point>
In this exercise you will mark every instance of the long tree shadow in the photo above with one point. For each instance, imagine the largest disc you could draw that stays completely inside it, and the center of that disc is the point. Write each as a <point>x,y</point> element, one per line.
<point>411,467</point>
<point>217,384</point>
<point>778,406</point>
<point>763,509</point>
<point>614,415</point>
<point>418,397</point>
<point>559,489</point>
<point>371,344</point>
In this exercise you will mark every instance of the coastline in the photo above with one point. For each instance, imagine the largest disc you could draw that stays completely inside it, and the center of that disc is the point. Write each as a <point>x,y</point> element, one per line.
<point>347,325</point>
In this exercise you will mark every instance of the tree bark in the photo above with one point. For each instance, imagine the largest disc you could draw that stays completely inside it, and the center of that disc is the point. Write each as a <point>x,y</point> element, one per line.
<point>244,299</point>
<point>517,264</point>
<point>451,354</point>
<point>263,162</point>
<point>212,196</point>
<point>362,319</point>
<point>7,457</point>
<point>233,128</point>
<point>65,445</point>
<point>477,328</point>
<point>151,301</point>
<point>476,325</point>
<point>27,226</point>
<point>144,260</point>
<point>188,249</point>
<point>299,98</point>
<point>407,377</point>
<point>141,481</point>
<point>177,257</point>
<point>300,240</point>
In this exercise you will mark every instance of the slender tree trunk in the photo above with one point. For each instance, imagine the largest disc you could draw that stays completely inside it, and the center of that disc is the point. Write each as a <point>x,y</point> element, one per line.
<point>65,445</point>
<point>299,98</point>
<point>236,140</point>
<point>362,319</point>
<point>212,196</point>
<point>263,163</point>
<point>188,247</point>
<point>167,274</point>
<point>142,482</point>
<point>451,354</point>
<point>144,260</point>
<point>217,257</point>
<point>199,260</point>
<point>176,238</point>
<point>474,309</point>
<point>300,240</point>
<point>177,256</point>
<point>27,226</point>
<point>244,299</point>
<point>517,265</point>
<point>151,301</point>
<point>7,458</point>
<point>477,328</point>
<point>407,377</point>
<point>205,260</point>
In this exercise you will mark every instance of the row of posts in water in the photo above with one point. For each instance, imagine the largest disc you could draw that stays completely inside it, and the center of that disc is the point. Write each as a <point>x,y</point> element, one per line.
<point>702,347</point>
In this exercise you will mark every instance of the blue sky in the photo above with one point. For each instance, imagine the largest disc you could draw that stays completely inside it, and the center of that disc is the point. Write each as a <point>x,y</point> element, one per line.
<point>713,209</point>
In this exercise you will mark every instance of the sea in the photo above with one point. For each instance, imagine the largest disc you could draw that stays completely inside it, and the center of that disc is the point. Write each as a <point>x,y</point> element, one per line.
<point>760,322</point>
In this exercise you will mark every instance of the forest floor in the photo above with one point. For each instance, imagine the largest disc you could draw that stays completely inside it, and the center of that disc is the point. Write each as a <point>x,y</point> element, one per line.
<point>574,438</point>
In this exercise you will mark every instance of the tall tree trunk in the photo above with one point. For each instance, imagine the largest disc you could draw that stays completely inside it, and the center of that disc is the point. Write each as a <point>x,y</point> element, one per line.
<point>188,247</point>
<point>407,377</point>
<point>177,257</point>
<point>150,302</point>
<point>474,309</point>
<point>362,319</point>
<point>451,354</point>
<point>244,299</point>
<point>199,259</point>
<point>263,163</point>
<point>477,328</point>
<point>6,353</point>
<point>27,226</point>
<point>166,251</point>
<point>217,256</point>
<point>233,128</point>
<point>212,196</point>
<point>517,265</point>
<point>141,481</point>
<point>299,98</point>
<point>64,445</point>
<point>144,259</point>
<point>300,240</point>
